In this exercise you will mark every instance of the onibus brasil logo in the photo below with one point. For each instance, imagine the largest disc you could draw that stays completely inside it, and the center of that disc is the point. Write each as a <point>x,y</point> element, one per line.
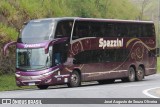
<point>111,43</point>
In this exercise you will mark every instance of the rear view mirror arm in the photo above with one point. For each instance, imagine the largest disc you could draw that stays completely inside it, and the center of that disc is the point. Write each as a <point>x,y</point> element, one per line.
<point>8,45</point>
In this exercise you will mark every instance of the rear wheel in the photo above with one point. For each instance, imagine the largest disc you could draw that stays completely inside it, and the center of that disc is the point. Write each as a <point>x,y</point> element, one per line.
<point>106,81</point>
<point>75,79</point>
<point>140,74</point>
<point>42,86</point>
<point>131,75</point>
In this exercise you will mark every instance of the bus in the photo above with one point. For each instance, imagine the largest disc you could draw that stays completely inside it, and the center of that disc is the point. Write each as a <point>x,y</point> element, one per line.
<point>71,50</point>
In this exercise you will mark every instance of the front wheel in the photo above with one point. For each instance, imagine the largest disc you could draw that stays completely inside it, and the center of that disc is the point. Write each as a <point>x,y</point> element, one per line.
<point>75,79</point>
<point>42,86</point>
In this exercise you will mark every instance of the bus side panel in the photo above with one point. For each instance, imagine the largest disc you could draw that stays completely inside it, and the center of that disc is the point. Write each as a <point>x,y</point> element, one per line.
<point>99,63</point>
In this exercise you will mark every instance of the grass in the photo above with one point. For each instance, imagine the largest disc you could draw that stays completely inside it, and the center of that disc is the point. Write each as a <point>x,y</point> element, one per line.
<point>7,83</point>
<point>8,32</point>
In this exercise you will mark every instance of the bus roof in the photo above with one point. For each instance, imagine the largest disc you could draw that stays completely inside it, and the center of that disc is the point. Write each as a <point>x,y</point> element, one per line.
<point>93,19</point>
<point>114,20</point>
<point>54,19</point>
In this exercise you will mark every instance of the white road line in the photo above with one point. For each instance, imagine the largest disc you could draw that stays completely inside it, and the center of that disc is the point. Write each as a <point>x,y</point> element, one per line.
<point>146,92</point>
<point>135,85</point>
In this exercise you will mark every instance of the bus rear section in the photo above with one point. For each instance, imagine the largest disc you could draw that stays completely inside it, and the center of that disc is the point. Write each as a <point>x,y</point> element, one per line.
<point>106,50</point>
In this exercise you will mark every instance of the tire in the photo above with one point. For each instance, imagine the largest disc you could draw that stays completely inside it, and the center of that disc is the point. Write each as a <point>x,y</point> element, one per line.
<point>131,75</point>
<point>42,86</point>
<point>140,74</point>
<point>75,79</point>
<point>106,81</point>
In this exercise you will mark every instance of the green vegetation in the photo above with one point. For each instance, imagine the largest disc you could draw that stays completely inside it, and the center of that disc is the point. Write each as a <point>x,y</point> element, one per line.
<point>7,32</point>
<point>8,83</point>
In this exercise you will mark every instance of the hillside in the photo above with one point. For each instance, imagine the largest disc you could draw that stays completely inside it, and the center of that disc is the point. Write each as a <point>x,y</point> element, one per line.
<point>13,13</point>
<point>149,8</point>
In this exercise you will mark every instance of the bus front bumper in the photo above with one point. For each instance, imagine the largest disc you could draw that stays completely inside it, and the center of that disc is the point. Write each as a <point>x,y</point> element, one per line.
<point>44,79</point>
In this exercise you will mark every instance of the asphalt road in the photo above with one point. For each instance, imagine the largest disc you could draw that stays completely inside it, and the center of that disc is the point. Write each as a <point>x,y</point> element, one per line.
<point>91,90</point>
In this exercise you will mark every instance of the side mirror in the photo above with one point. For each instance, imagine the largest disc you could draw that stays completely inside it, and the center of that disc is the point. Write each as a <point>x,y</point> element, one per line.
<point>54,42</point>
<point>5,48</point>
<point>47,46</point>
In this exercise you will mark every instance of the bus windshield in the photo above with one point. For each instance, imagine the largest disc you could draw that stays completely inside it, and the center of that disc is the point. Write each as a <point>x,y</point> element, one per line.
<point>33,59</point>
<point>37,31</point>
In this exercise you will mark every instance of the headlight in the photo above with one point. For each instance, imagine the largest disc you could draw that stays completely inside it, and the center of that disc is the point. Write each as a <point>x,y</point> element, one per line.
<point>48,73</point>
<point>17,75</point>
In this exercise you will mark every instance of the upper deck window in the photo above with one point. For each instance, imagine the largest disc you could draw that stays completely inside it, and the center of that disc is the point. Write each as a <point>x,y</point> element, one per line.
<point>64,29</point>
<point>84,29</point>
<point>37,31</point>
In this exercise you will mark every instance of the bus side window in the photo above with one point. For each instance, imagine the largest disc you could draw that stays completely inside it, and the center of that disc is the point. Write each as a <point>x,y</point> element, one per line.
<point>60,52</point>
<point>150,30</point>
<point>64,29</point>
<point>121,30</point>
<point>60,32</point>
<point>57,58</point>
<point>56,55</point>
<point>110,29</point>
<point>75,33</point>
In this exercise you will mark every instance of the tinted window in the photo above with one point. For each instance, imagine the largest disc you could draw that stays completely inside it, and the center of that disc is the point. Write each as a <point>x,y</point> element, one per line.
<point>100,56</point>
<point>60,53</point>
<point>121,29</point>
<point>81,29</point>
<point>93,29</point>
<point>112,29</point>
<point>134,30</point>
<point>64,29</point>
<point>140,30</point>
<point>149,30</point>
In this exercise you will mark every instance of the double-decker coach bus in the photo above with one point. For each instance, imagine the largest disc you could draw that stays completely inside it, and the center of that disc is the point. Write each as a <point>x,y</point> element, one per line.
<point>63,50</point>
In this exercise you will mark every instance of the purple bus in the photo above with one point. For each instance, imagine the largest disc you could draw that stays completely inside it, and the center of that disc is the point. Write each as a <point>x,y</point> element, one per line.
<point>66,50</point>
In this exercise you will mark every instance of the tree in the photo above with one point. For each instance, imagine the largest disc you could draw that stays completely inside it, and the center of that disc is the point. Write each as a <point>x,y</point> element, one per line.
<point>144,4</point>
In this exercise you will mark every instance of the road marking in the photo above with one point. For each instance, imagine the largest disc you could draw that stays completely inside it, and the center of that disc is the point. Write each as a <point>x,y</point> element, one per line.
<point>146,92</point>
<point>135,85</point>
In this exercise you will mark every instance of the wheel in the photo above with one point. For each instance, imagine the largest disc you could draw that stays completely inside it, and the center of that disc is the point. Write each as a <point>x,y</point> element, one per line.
<point>75,79</point>
<point>42,86</point>
<point>131,75</point>
<point>106,81</point>
<point>140,74</point>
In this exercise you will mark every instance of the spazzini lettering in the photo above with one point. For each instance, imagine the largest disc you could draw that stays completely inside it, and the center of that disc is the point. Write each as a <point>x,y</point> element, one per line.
<point>110,43</point>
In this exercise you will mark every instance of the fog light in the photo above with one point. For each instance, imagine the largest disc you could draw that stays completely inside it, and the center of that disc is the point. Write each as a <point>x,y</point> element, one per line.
<point>17,75</point>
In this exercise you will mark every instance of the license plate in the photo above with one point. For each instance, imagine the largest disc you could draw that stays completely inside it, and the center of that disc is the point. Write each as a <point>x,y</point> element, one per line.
<point>31,83</point>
